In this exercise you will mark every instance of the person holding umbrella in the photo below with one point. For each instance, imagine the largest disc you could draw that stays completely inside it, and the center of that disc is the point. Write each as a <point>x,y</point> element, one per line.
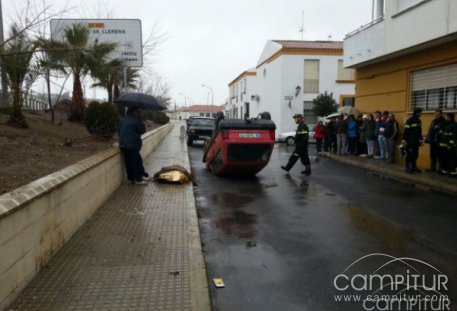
<point>130,130</point>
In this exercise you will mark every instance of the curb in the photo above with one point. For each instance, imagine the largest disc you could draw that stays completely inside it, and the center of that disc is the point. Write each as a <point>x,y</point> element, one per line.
<point>415,180</point>
<point>199,289</point>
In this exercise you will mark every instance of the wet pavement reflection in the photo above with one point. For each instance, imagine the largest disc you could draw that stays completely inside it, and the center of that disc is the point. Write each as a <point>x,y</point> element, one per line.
<point>278,240</point>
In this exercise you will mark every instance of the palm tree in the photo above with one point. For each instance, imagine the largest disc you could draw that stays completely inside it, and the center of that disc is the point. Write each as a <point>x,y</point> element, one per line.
<point>132,76</point>
<point>49,60</point>
<point>16,56</point>
<point>131,79</point>
<point>77,58</point>
<point>106,74</point>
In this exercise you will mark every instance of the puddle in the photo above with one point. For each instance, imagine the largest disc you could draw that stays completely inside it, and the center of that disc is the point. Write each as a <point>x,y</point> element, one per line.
<point>230,200</point>
<point>238,223</point>
<point>390,235</point>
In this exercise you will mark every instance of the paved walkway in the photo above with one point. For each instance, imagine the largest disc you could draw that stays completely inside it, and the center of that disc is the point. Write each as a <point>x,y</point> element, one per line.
<point>140,251</point>
<point>431,181</point>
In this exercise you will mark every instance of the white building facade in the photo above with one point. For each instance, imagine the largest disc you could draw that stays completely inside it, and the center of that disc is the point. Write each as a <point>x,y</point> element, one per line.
<point>288,76</point>
<point>182,113</point>
<point>242,99</point>
<point>401,27</point>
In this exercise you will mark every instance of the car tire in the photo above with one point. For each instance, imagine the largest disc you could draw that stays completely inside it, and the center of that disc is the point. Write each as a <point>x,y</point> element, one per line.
<point>290,141</point>
<point>190,141</point>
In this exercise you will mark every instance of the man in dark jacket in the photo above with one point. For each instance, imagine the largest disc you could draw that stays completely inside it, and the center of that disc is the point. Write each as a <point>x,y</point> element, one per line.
<point>130,130</point>
<point>301,146</point>
<point>448,145</point>
<point>412,138</point>
<point>432,139</point>
<point>390,135</point>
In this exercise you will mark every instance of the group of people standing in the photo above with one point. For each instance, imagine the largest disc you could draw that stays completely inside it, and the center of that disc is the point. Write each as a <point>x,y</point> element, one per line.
<point>367,135</point>
<point>376,136</point>
<point>442,137</point>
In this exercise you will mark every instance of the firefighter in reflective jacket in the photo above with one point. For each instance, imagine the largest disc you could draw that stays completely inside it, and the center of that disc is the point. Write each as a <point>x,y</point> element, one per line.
<point>447,140</point>
<point>412,138</point>
<point>301,146</point>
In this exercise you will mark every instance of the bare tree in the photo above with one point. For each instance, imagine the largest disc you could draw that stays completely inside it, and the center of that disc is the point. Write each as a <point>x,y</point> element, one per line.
<point>158,87</point>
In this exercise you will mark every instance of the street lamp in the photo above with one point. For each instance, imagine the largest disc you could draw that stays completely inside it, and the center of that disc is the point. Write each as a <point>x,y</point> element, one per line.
<point>185,99</point>
<point>212,93</point>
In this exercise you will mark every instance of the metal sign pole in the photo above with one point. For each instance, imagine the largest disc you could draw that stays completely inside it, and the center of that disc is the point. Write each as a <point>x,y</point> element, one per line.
<point>125,80</point>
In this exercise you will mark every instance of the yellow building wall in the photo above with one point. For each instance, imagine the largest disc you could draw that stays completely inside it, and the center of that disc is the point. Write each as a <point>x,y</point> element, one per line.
<point>385,86</point>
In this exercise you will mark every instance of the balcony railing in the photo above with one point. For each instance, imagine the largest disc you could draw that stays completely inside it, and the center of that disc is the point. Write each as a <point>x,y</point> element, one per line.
<point>374,22</point>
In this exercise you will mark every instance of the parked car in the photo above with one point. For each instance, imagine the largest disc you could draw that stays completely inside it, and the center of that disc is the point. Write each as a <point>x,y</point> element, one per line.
<point>289,137</point>
<point>189,121</point>
<point>200,128</point>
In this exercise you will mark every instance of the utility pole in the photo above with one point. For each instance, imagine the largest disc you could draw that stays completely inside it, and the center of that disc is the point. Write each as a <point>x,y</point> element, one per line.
<point>5,97</point>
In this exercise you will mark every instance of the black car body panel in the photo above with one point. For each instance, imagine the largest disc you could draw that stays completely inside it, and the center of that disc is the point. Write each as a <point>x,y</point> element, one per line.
<point>200,128</point>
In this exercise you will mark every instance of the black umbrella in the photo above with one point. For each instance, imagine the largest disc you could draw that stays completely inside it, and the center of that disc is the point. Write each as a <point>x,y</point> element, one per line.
<point>141,100</point>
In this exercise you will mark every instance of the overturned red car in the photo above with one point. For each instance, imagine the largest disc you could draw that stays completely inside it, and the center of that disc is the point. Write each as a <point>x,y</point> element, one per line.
<point>240,147</point>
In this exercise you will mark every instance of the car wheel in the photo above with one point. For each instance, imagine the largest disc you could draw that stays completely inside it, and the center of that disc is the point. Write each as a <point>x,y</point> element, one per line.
<point>189,141</point>
<point>290,141</point>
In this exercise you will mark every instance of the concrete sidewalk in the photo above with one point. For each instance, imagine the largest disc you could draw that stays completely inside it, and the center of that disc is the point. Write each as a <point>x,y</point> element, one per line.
<point>140,251</point>
<point>425,180</point>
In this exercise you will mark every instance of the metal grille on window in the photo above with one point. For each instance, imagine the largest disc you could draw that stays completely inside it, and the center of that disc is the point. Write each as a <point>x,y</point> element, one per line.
<point>308,114</point>
<point>434,88</point>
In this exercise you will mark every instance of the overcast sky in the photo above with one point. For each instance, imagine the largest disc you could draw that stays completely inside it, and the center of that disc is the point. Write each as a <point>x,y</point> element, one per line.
<point>211,41</point>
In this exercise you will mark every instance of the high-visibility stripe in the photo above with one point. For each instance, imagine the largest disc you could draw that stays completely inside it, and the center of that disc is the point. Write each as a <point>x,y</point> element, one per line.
<point>296,154</point>
<point>443,145</point>
<point>302,132</point>
<point>411,125</point>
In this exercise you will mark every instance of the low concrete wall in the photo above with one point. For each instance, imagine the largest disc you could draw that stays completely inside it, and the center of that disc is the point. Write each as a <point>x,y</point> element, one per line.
<point>37,219</point>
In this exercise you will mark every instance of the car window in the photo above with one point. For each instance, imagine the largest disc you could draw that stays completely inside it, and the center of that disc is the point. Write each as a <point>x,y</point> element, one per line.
<point>203,122</point>
<point>311,128</point>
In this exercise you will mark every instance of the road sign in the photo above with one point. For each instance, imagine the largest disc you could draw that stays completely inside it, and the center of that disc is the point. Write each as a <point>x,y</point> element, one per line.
<point>125,33</point>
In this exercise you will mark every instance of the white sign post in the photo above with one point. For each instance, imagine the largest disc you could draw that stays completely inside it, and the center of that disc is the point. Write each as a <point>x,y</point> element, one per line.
<point>125,33</point>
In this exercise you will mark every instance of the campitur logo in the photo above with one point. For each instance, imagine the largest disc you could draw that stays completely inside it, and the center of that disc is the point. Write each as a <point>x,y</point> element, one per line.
<point>388,283</point>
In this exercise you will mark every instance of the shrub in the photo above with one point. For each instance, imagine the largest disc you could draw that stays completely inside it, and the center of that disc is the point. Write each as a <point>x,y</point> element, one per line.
<point>160,118</point>
<point>157,117</point>
<point>101,120</point>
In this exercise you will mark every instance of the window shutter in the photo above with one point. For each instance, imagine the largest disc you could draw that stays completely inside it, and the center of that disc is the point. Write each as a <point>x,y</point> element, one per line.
<point>435,78</point>
<point>434,88</point>
<point>312,69</point>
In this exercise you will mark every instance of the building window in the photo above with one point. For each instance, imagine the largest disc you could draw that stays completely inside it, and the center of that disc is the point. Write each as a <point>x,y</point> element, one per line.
<point>434,88</point>
<point>246,108</point>
<point>311,81</point>
<point>202,114</point>
<point>308,113</point>
<point>344,74</point>
<point>348,101</point>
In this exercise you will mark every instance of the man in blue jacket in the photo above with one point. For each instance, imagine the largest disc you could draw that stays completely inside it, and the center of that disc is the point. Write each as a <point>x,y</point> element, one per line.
<point>130,130</point>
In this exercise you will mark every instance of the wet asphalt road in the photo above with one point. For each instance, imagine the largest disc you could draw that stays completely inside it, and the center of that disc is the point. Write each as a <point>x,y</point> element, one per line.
<point>278,240</point>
